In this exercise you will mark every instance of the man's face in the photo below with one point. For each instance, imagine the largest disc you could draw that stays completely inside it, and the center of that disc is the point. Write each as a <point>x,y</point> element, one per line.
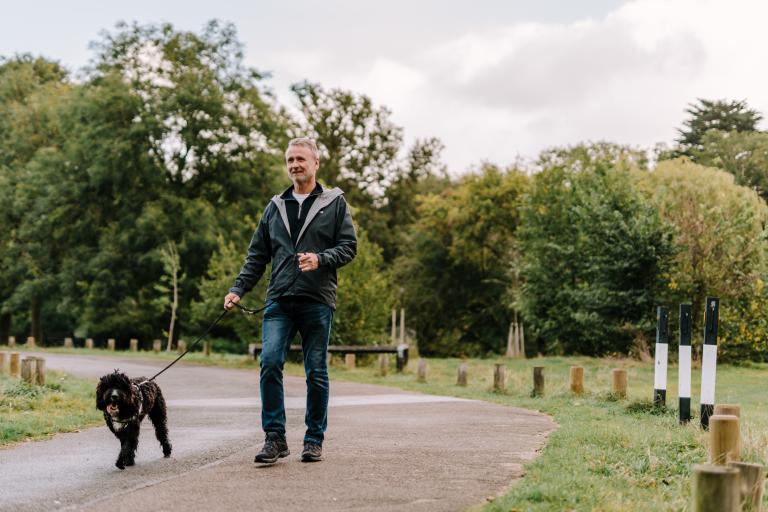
<point>301,164</point>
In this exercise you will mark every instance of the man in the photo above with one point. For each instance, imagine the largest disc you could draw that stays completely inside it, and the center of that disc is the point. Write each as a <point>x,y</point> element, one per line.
<point>312,227</point>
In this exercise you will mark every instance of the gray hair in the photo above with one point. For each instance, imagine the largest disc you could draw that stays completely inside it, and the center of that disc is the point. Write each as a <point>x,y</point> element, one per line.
<point>307,142</point>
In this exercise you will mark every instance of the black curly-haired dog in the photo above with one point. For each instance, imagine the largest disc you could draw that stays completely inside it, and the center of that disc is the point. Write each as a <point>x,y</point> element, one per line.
<point>125,403</point>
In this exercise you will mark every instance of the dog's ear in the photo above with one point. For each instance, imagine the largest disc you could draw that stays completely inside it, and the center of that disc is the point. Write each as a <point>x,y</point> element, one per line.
<point>100,405</point>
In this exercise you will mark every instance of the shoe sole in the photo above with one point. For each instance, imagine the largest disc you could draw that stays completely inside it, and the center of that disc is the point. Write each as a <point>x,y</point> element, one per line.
<point>311,458</point>
<point>282,454</point>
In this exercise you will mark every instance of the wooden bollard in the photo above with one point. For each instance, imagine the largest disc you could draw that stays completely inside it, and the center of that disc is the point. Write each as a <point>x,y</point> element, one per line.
<point>723,439</point>
<point>421,370</point>
<point>538,381</point>
<point>28,370</point>
<point>40,371</point>
<point>68,343</point>
<point>15,365</point>
<point>461,378</point>
<point>752,478</point>
<point>31,342</point>
<point>156,346</point>
<point>207,348</point>
<point>111,344</point>
<point>182,346</point>
<point>11,341</point>
<point>134,345</point>
<point>3,358</point>
<point>716,488</point>
<point>499,377</point>
<point>349,361</point>
<point>89,343</point>
<point>577,379</point>
<point>619,382</point>
<point>383,364</point>
<point>728,409</point>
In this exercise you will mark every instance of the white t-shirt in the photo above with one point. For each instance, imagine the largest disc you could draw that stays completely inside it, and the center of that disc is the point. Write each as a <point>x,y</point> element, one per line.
<point>300,197</point>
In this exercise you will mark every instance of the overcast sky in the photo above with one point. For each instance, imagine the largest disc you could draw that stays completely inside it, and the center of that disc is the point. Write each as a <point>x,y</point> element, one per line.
<point>493,79</point>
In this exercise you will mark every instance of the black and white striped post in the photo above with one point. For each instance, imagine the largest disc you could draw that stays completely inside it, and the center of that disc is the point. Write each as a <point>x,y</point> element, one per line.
<point>684,364</point>
<point>709,359</point>
<point>662,344</point>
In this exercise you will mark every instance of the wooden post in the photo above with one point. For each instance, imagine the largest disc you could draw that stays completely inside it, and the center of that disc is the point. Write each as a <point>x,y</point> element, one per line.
<point>68,343</point>
<point>111,344</point>
<point>40,371</point>
<point>619,382</point>
<point>684,365</point>
<point>349,361</point>
<point>402,325</point>
<point>182,346</point>
<point>31,342</point>
<point>383,364</point>
<point>723,439</point>
<point>499,377</point>
<point>157,345</point>
<point>393,334</point>
<point>538,381</point>
<point>461,379</point>
<point>577,379</point>
<point>134,345</point>
<point>252,350</point>
<point>3,358</point>
<point>752,484</point>
<point>28,368</point>
<point>15,365</point>
<point>421,372</point>
<point>716,488</point>
<point>89,343</point>
<point>731,409</point>
<point>11,341</point>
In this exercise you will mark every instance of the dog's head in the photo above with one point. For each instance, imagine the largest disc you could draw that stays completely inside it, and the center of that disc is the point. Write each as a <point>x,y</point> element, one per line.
<point>117,396</point>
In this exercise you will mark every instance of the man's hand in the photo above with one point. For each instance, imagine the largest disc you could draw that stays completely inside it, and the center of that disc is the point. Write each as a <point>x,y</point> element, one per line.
<point>308,261</point>
<point>230,300</point>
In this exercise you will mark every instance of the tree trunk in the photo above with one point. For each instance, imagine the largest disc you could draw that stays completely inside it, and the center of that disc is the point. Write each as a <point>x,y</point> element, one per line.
<point>5,327</point>
<point>174,305</point>
<point>37,327</point>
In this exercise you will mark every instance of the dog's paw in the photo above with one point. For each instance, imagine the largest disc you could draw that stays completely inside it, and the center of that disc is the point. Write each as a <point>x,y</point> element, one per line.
<point>120,464</point>
<point>130,462</point>
<point>167,450</point>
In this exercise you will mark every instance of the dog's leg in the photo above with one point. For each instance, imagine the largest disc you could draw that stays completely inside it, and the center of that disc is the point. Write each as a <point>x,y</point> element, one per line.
<point>159,417</point>
<point>129,441</point>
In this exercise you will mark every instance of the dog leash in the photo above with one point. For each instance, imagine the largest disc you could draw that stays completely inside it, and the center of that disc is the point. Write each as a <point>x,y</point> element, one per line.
<point>244,309</point>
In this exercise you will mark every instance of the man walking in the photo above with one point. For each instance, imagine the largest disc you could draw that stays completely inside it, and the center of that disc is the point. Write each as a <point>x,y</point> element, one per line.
<point>307,233</point>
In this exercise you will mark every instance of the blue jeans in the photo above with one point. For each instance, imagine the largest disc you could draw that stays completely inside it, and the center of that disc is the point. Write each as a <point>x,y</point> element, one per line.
<point>282,320</point>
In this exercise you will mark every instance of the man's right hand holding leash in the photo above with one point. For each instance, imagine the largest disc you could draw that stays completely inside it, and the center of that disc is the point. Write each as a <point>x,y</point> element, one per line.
<point>230,300</point>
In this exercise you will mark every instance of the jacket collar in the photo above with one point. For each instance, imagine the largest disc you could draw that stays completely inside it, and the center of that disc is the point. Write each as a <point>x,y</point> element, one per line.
<point>316,192</point>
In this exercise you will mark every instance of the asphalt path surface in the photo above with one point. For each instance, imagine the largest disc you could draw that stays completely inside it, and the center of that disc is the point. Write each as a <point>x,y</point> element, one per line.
<point>385,449</point>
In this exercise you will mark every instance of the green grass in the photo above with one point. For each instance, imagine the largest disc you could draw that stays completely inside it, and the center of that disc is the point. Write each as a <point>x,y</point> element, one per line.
<point>64,404</point>
<point>606,454</point>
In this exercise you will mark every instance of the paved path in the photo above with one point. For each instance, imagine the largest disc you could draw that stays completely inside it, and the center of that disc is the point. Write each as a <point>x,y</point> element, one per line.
<point>385,449</point>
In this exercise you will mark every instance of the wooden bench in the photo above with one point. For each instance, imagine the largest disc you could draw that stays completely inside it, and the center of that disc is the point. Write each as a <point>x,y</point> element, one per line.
<point>400,350</point>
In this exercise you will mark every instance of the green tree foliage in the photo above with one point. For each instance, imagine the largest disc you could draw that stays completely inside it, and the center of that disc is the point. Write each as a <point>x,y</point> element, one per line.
<point>458,261</point>
<point>719,231</point>
<point>593,251</point>
<point>743,154</point>
<point>722,115</point>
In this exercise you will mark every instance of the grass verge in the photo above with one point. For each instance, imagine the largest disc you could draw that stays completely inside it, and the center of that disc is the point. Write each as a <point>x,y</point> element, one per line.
<point>64,404</point>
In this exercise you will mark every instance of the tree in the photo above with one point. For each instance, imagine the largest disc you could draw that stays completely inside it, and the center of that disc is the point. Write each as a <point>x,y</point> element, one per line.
<point>743,154</point>
<point>719,115</point>
<point>718,229</point>
<point>593,251</point>
<point>458,260</point>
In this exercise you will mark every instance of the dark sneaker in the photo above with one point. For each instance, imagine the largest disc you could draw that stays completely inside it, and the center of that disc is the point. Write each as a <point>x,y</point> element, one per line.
<point>274,448</point>
<point>312,452</point>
